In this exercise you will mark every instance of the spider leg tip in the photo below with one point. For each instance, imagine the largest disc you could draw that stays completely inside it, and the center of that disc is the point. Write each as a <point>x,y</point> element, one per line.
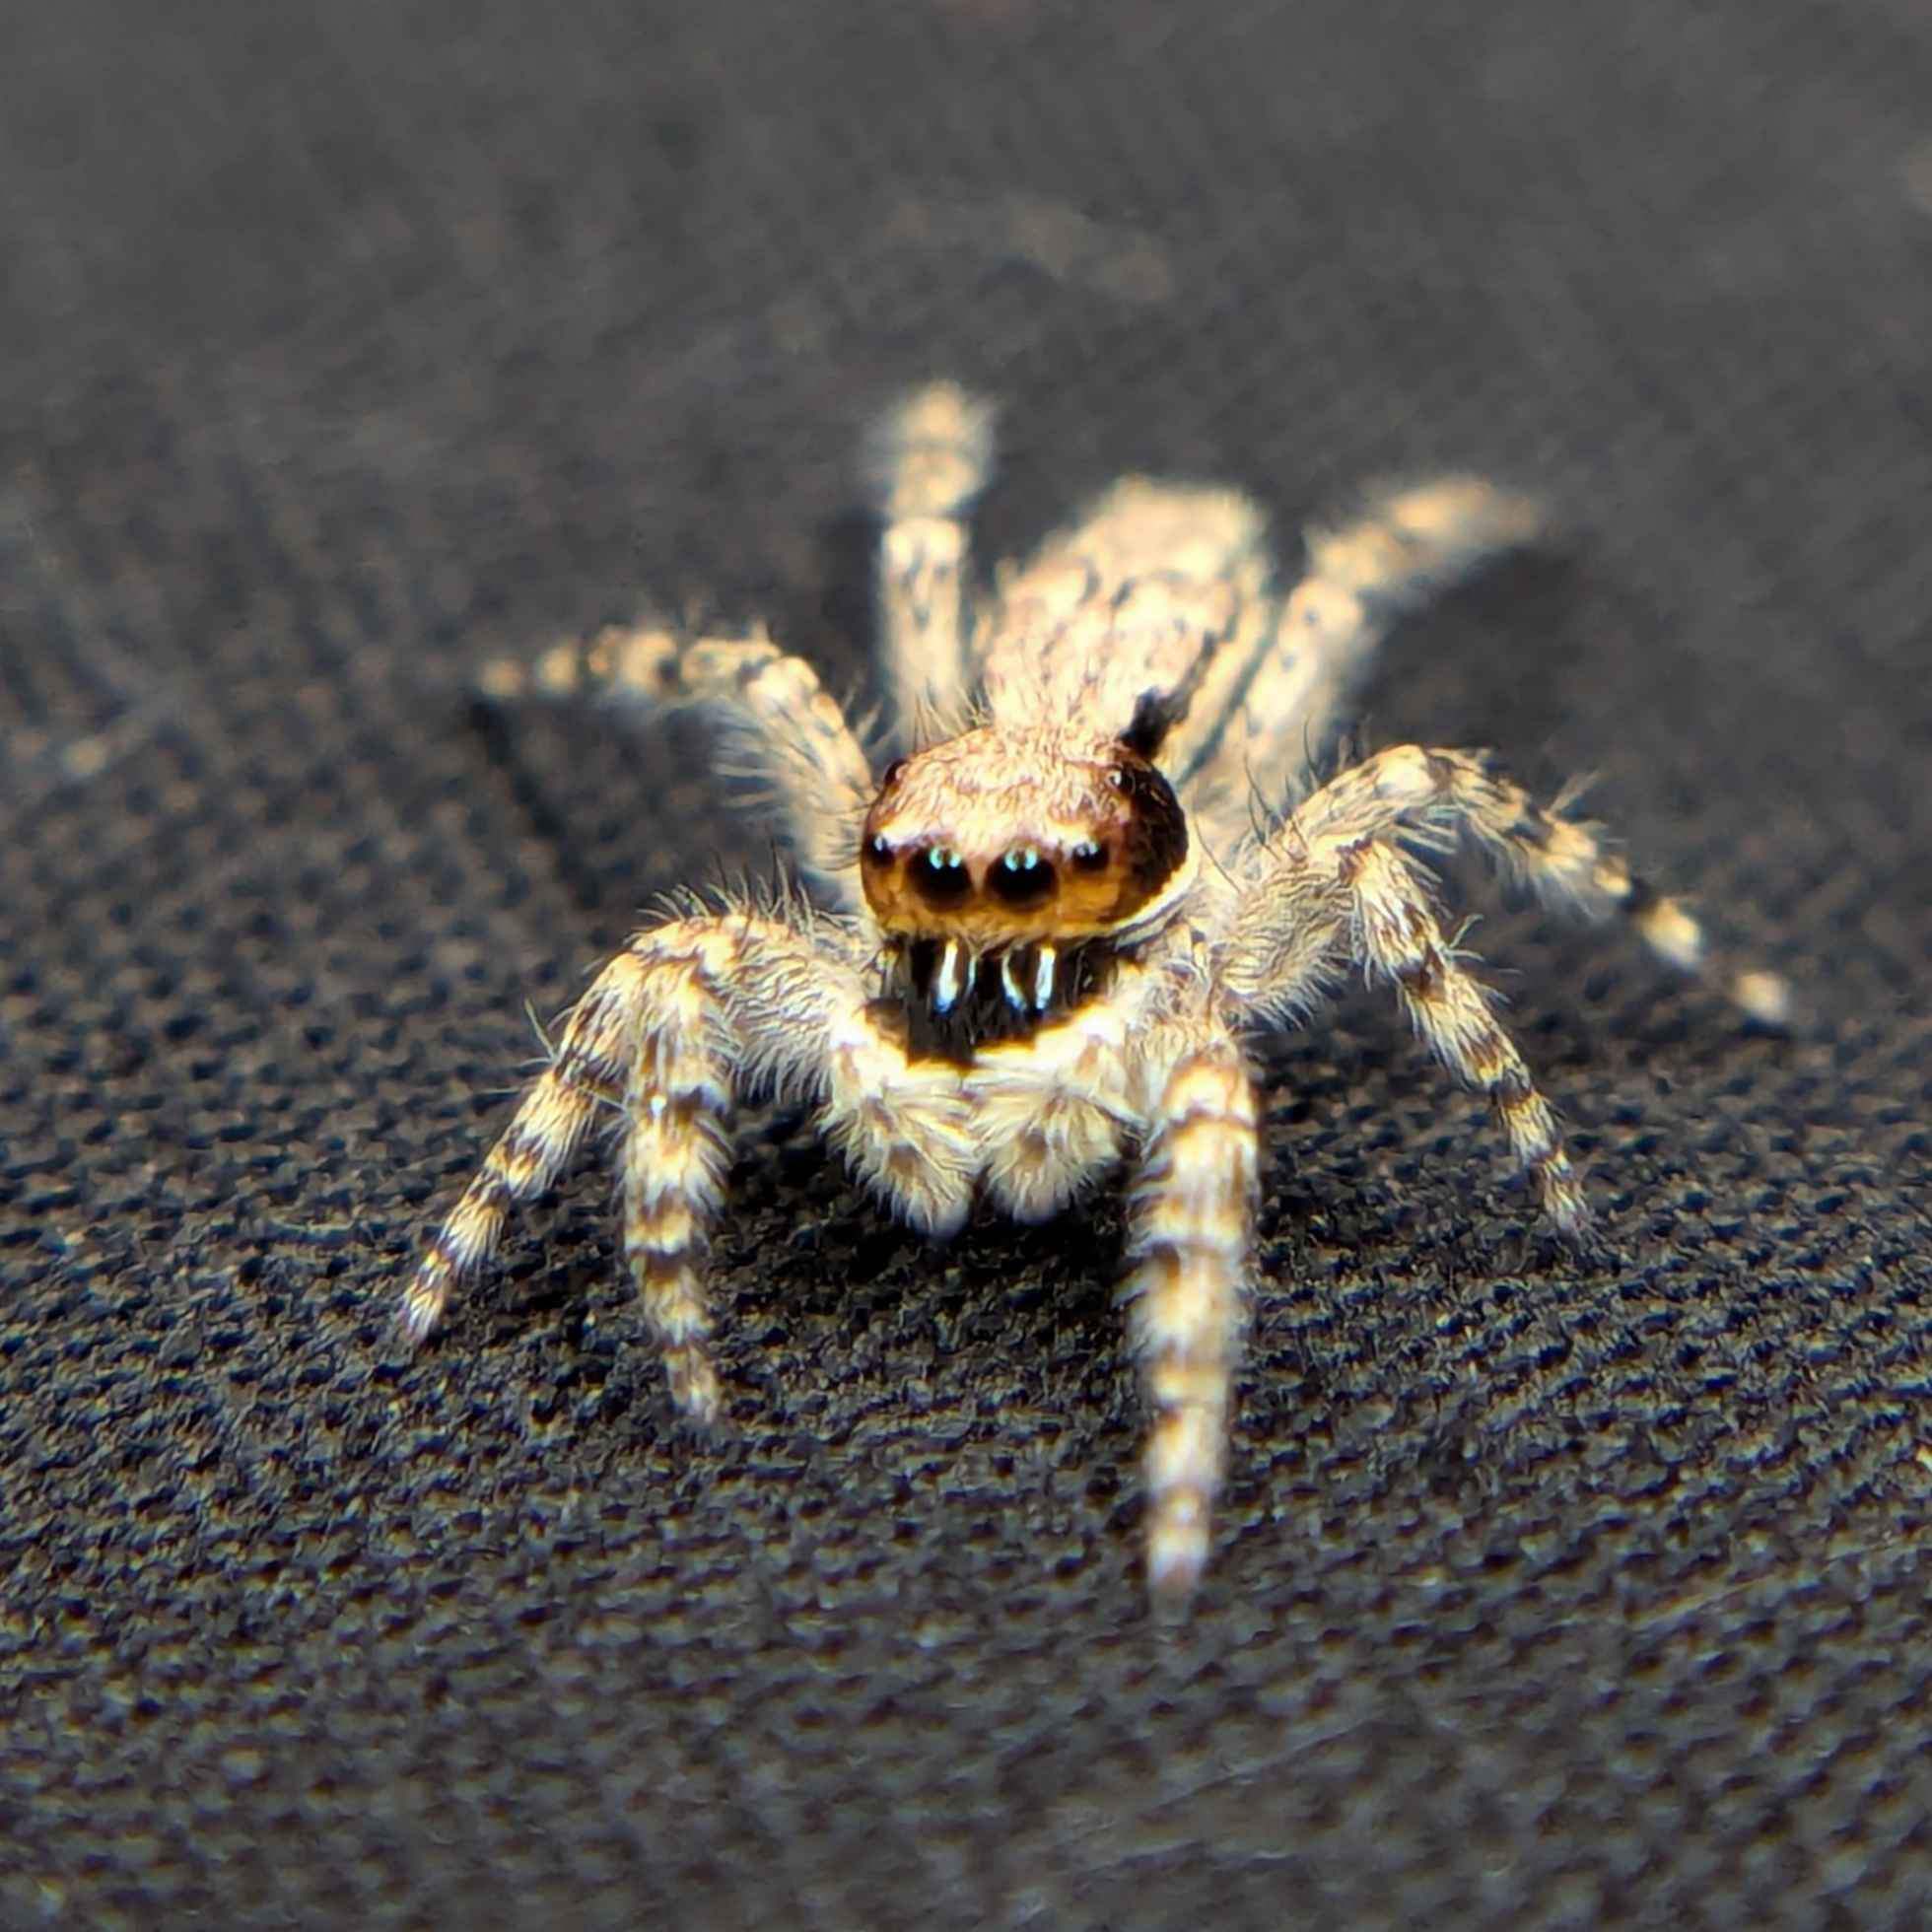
<point>1764,997</point>
<point>500,679</point>
<point>422,1305</point>
<point>1177,1554</point>
<point>414,1325</point>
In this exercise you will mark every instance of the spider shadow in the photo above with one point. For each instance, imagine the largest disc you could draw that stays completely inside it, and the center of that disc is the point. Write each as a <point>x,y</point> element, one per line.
<point>1473,665</point>
<point>614,846</point>
<point>844,610</point>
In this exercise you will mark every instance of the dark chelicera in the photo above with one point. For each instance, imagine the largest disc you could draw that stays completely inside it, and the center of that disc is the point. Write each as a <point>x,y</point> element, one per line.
<point>986,1015</point>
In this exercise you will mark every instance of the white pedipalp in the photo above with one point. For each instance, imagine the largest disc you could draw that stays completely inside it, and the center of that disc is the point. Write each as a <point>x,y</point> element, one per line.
<point>954,977</point>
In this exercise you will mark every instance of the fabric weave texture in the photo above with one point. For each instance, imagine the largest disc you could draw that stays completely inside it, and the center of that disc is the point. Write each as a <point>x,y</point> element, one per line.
<point>345,349</point>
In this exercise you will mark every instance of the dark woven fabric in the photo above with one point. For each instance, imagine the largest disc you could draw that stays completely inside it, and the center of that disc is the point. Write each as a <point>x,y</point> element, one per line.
<point>347,347</point>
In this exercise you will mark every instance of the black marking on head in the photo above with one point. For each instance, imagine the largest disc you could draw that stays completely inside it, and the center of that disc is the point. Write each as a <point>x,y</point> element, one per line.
<point>1155,714</point>
<point>1157,832</point>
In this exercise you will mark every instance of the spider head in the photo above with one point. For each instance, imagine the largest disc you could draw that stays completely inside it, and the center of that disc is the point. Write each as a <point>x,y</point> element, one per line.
<point>1003,840</point>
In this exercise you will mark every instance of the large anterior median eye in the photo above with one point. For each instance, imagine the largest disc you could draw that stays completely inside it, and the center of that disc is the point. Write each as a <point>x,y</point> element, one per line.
<point>1022,877</point>
<point>940,877</point>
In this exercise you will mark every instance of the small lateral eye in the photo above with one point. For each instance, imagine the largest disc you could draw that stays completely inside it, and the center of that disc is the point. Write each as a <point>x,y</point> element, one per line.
<point>878,849</point>
<point>1117,778</point>
<point>940,877</point>
<point>1087,857</point>
<point>1022,877</point>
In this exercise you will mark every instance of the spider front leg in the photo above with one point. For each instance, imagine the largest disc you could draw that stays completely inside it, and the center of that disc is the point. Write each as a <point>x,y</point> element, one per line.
<point>782,723</point>
<point>1192,1244</point>
<point>1437,793</point>
<point>688,1015</point>
<point>1397,936</point>
<point>928,458</point>
<point>1331,898</point>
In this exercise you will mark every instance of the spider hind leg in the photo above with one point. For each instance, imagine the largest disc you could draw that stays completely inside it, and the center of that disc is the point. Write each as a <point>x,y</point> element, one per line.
<point>1194,1203</point>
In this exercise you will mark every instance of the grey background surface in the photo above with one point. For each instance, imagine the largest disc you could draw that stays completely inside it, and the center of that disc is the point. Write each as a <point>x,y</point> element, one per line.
<point>347,348</point>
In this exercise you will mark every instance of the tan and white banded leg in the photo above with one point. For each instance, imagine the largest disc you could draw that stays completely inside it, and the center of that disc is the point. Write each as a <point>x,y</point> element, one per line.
<point>589,1071</point>
<point>676,1151</point>
<point>1333,899</point>
<point>783,725</point>
<point>928,459</point>
<point>1397,935</point>
<point>1362,577</point>
<point>1565,860</point>
<point>1193,1199</point>
<point>687,1015</point>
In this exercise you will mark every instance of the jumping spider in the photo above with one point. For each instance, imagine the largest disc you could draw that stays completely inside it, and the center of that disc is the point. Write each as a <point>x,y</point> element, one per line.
<point>1048,928</point>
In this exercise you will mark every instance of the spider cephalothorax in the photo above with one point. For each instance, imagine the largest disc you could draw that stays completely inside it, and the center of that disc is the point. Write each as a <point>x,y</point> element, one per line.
<point>1003,900</point>
<point>1049,926</point>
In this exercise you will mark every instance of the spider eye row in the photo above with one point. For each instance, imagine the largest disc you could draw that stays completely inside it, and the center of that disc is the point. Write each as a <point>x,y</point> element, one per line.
<point>1022,876</point>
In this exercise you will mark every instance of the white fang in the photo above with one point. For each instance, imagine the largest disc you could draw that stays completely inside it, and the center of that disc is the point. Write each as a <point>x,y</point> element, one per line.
<point>1010,981</point>
<point>1043,971</point>
<point>951,979</point>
